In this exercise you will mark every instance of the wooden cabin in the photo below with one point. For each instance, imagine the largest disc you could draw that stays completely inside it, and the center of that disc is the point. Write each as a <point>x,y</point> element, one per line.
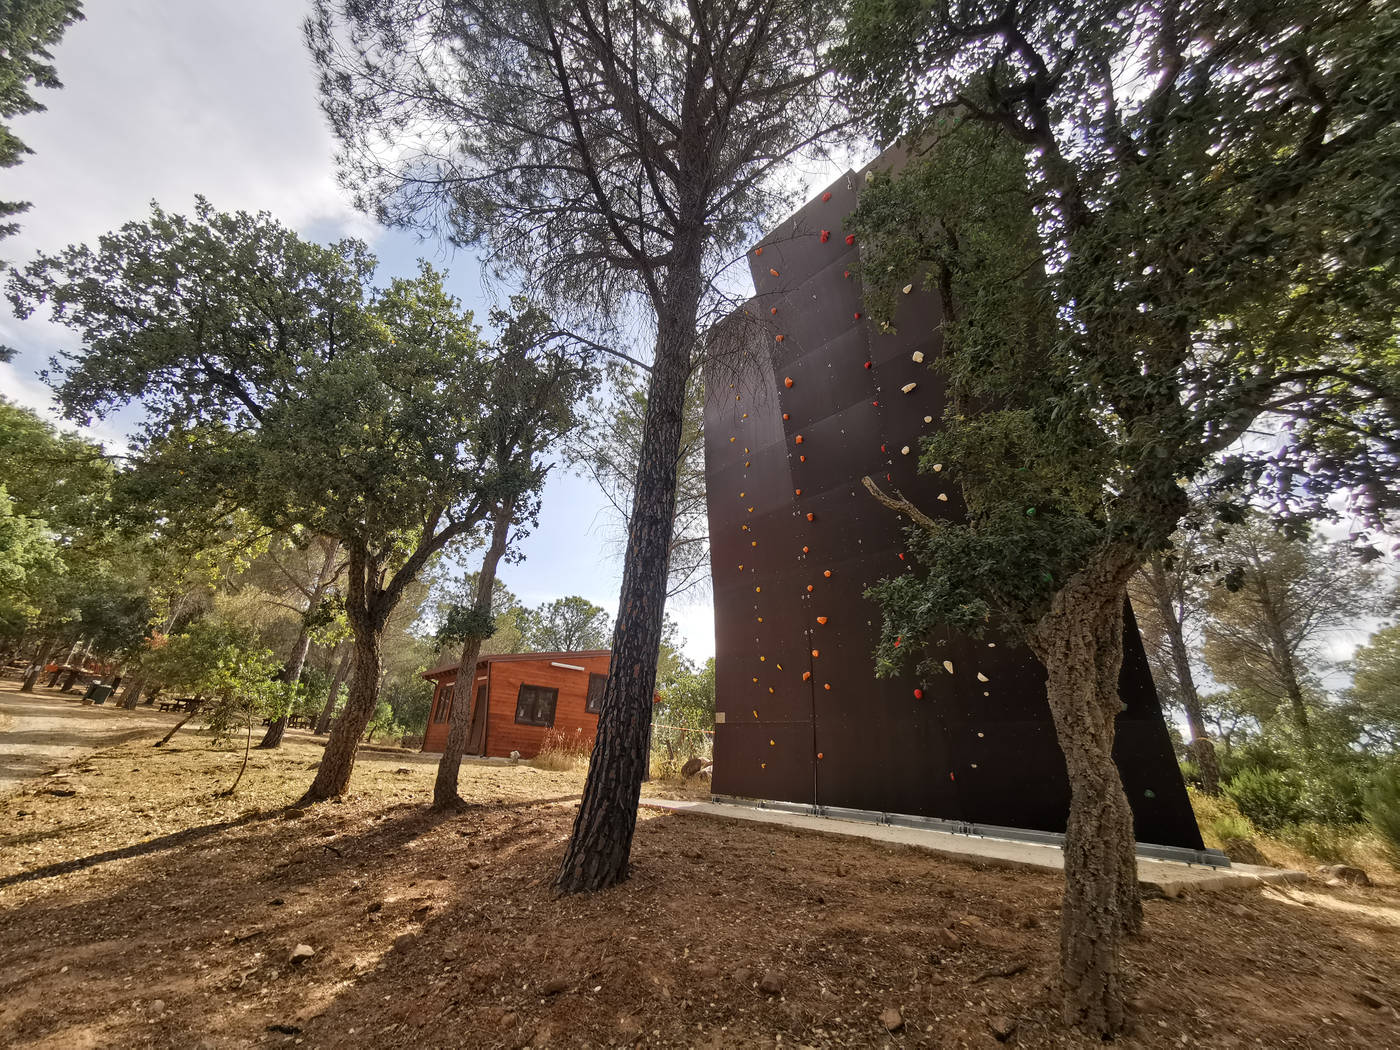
<point>520,697</point>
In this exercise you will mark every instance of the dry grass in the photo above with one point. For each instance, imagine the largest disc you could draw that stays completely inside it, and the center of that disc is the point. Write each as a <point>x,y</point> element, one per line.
<point>565,751</point>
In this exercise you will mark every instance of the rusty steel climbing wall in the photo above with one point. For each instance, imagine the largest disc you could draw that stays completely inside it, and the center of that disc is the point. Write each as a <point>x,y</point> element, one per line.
<point>804,397</point>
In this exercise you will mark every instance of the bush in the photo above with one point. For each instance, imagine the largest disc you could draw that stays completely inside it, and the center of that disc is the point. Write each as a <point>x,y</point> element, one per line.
<point>1270,798</point>
<point>1190,772</point>
<point>1383,812</point>
<point>1230,828</point>
<point>1322,841</point>
<point>564,750</point>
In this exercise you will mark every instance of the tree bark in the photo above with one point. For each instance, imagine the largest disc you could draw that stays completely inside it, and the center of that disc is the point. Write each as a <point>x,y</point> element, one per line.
<point>1080,642</point>
<point>459,724</point>
<point>1201,744</point>
<point>323,721</point>
<point>600,847</point>
<point>176,728</point>
<point>41,659</point>
<point>366,609</point>
<point>72,654</point>
<point>291,673</point>
<point>131,695</point>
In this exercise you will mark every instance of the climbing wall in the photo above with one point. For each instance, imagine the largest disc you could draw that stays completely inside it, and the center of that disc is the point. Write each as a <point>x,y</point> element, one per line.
<point>804,397</point>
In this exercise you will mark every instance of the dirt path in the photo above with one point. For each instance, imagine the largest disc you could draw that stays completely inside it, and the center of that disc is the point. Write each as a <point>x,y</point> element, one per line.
<point>45,729</point>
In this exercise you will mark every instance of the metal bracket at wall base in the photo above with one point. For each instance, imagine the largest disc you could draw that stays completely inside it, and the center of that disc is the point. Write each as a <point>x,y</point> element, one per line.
<point>1210,858</point>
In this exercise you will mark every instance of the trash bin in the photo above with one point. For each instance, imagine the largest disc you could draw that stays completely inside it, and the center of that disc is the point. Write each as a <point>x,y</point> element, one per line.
<point>99,693</point>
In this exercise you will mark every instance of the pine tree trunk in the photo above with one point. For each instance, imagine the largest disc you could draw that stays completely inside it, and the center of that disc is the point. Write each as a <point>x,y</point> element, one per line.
<point>131,695</point>
<point>1080,643</point>
<point>459,726</point>
<point>72,655</point>
<point>1201,744</point>
<point>291,674</point>
<point>323,721</point>
<point>41,660</point>
<point>363,609</point>
<point>598,852</point>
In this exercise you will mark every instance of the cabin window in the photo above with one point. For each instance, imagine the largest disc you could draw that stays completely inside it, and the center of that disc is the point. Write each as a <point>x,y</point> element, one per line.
<point>535,706</point>
<point>444,704</point>
<point>594,704</point>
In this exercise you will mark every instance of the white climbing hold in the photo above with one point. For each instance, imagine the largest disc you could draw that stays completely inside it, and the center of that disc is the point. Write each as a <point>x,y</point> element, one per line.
<point>937,467</point>
<point>904,451</point>
<point>918,356</point>
<point>928,419</point>
<point>908,288</point>
<point>948,666</point>
<point>943,497</point>
<point>909,388</point>
<point>981,677</point>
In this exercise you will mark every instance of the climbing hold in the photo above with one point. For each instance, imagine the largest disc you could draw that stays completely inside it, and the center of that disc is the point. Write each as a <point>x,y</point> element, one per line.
<point>937,467</point>
<point>827,574</point>
<point>826,686</point>
<point>867,365</point>
<point>826,236</point>
<point>758,590</point>
<point>901,555</point>
<point>758,251</point>
<point>750,510</point>
<point>816,653</point>
<point>772,743</point>
<point>787,382</point>
<point>770,688</point>
<point>991,645</point>
<point>826,196</point>
<point>857,315</point>
<point>908,288</point>
<point>785,417</point>
<point>773,271</point>
<point>928,419</point>
<point>848,273</point>
<point>779,337</point>
<point>821,620</point>
<point>918,694</point>
<point>731,441</point>
<point>948,666</point>
<point>904,451</point>
<point>754,543</point>
<point>762,659</point>
<point>744,416</point>
<point>755,680</point>
<point>797,492</point>
<point>806,675</point>
<point>876,404</point>
<point>741,566</point>
<point>755,710</point>
<point>908,388</point>
<point>883,449</point>
<point>802,459</point>
<point>760,619</point>
<point>981,677</point>
<point>797,440</point>
<point>746,463</point>
<point>804,550</point>
<point>1030,512</point>
<point>809,588</point>
<point>772,309</point>
<point>850,238</point>
<point>811,516</point>
<point>763,765</point>
<point>943,497</point>
<point>820,755</point>
<point>897,640</point>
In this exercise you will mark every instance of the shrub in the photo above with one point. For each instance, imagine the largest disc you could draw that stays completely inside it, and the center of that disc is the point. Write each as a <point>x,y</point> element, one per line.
<point>1322,841</point>
<point>1230,828</point>
<point>1190,772</point>
<point>1270,798</point>
<point>564,750</point>
<point>1383,812</point>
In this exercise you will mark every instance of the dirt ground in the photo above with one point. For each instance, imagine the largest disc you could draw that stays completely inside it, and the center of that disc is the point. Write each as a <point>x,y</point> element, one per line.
<point>46,728</point>
<point>142,909</point>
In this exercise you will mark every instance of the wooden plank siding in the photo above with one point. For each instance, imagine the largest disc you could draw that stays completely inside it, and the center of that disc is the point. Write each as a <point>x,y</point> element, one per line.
<point>505,675</point>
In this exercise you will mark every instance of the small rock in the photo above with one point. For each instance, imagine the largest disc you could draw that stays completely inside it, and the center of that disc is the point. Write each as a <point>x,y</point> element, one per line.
<point>301,953</point>
<point>277,902</point>
<point>743,975</point>
<point>892,1019</point>
<point>770,983</point>
<point>405,941</point>
<point>949,939</point>
<point>402,771</point>
<point>508,1020</point>
<point>473,863</point>
<point>158,1006</point>
<point>554,986</point>
<point>1336,874</point>
<point>691,767</point>
<point>64,792</point>
<point>515,756</point>
<point>1366,998</point>
<point>374,907</point>
<point>1002,1027</point>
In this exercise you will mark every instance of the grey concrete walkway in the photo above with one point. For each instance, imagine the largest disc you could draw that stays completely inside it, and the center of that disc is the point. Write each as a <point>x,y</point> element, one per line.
<point>43,730</point>
<point>1170,878</point>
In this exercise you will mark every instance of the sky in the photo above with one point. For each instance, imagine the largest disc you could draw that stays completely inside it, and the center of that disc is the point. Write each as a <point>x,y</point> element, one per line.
<point>166,99</point>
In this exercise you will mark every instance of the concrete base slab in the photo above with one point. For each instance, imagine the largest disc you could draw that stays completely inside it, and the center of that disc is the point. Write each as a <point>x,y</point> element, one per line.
<point>1169,878</point>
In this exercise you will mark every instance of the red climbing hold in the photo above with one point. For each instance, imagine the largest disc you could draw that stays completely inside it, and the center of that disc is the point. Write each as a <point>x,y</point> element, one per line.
<point>857,315</point>
<point>826,236</point>
<point>867,364</point>
<point>826,196</point>
<point>850,238</point>
<point>918,694</point>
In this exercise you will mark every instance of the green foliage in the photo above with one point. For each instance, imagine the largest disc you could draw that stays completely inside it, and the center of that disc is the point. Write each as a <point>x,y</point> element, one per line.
<point>460,622</point>
<point>383,722</point>
<point>1328,842</point>
<point>1132,274</point>
<point>1269,798</point>
<point>1373,701</point>
<point>688,697</point>
<point>28,30</point>
<point>1383,811</point>
<point>222,663</point>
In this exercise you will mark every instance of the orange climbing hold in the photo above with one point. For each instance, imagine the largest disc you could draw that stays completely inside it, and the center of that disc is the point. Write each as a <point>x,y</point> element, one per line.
<point>821,620</point>
<point>779,338</point>
<point>797,492</point>
<point>816,653</point>
<point>773,271</point>
<point>811,516</point>
<point>785,417</point>
<point>804,550</point>
<point>758,251</point>
<point>797,440</point>
<point>787,382</point>
<point>806,675</point>
<point>826,686</point>
<point>802,459</point>
<point>827,574</point>
<point>820,755</point>
<point>809,588</point>
<point>772,309</point>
